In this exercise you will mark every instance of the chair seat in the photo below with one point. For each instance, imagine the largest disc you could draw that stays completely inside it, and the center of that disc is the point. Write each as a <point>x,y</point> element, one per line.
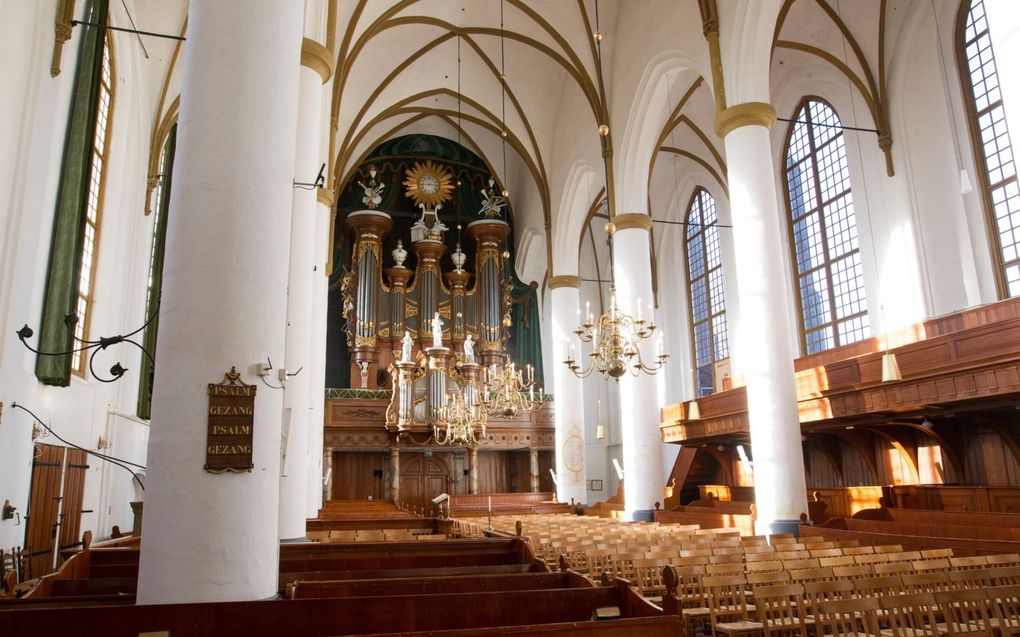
<point>696,612</point>
<point>743,626</point>
<point>961,629</point>
<point>905,632</point>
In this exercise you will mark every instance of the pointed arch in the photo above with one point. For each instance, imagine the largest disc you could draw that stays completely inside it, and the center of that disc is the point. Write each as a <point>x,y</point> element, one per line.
<point>705,290</point>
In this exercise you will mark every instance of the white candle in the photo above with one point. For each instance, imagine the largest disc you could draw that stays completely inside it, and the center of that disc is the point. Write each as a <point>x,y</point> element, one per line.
<point>490,504</point>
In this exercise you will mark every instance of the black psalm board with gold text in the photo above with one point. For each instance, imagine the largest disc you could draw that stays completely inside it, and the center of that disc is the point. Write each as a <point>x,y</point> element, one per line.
<point>231,424</point>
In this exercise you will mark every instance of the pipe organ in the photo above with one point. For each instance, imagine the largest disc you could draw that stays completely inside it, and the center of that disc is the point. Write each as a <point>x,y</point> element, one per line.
<point>383,298</point>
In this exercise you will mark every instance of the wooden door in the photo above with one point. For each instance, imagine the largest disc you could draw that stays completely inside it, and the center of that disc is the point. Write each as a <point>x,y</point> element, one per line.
<point>421,479</point>
<point>55,504</point>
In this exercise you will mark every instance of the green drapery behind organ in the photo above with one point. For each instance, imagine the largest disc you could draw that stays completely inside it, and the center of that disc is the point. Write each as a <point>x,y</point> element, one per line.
<point>158,252</point>
<point>61,294</point>
<point>391,159</point>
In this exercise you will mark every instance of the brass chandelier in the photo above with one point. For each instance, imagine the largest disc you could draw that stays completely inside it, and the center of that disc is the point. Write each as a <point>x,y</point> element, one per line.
<point>616,340</point>
<point>508,390</point>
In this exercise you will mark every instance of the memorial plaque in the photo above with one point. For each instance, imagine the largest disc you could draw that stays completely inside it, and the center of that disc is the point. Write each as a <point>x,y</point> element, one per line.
<point>231,423</point>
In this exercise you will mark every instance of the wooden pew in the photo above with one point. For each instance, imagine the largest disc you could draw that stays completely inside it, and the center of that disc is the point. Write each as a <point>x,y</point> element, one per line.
<point>468,505</point>
<point>437,584</point>
<point>535,609</point>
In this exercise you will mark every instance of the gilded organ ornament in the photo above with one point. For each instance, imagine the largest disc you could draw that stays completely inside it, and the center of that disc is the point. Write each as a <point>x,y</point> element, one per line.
<point>429,185</point>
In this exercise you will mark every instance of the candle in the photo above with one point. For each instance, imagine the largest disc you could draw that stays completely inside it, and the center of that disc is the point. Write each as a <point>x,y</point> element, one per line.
<point>490,504</point>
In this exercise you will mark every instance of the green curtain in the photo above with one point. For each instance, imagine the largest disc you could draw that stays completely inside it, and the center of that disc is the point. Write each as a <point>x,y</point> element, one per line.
<point>72,193</point>
<point>526,335</point>
<point>158,252</point>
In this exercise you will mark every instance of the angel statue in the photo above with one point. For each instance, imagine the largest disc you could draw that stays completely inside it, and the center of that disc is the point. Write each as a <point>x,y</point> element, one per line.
<point>373,191</point>
<point>492,204</point>
<point>469,349</point>
<point>437,331</point>
<point>405,351</point>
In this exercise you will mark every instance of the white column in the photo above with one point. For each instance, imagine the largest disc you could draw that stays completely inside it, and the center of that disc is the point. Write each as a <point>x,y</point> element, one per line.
<point>639,404</point>
<point>214,537</point>
<point>317,373</point>
<point>568,390</point>
<point>763,335</point>
<point>296,458</point>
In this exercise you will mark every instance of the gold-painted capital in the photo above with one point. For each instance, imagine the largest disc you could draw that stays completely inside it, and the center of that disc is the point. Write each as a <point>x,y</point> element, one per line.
<point>629,220</point>
<point>324,196</point>
<point>318,58</point>
<point>746,114</point>
<point>564,281</point>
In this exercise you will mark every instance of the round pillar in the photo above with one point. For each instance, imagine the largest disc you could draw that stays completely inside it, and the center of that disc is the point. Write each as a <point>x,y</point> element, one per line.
<point>564,292</point>
<point>214,537</point>
<point>317,373</point>
<point>294,472</point>
<point>639,405</point>
<point>763,335</point>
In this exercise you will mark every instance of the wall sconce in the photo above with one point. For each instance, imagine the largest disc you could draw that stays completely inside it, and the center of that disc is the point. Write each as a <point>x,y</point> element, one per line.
<point>104,443</point>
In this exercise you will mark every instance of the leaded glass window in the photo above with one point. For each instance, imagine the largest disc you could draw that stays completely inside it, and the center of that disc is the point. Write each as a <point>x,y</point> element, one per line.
<point>705,290</point>
<point>823,227</point>
<point>94,207</point>
<point>992,145</point>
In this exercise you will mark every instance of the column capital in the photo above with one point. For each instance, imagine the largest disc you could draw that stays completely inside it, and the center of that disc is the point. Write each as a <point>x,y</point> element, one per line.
<point>746,114</point>
<point>631,220</point>
<point>318,58</point>
<point>564,281</point>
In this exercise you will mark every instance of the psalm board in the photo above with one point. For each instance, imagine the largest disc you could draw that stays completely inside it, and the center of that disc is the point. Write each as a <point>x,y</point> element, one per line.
<point>231,424</point>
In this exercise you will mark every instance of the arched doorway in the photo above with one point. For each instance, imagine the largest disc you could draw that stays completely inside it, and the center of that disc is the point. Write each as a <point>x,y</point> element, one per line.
<point>422,477</point>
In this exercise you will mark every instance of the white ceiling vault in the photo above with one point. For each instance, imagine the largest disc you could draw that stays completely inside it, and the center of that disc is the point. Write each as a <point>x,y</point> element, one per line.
<point>397,74</point>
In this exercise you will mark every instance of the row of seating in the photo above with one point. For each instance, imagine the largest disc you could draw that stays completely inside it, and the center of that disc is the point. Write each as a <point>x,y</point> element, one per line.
<point>374,535</point>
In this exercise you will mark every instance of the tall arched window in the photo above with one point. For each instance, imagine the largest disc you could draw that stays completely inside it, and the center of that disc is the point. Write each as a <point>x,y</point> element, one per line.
<point>160,208</point>
<point>992,148</point>
<point>705,289</point>
<point>823,229</point>
<point>94,204</point>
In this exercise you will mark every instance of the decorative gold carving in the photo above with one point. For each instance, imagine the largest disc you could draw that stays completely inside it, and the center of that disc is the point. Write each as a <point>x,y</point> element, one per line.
<point>564,281</point>
<point>410,310</point>
<point>631,220</point>
<point>429,184</point>
<point>364,341</point>
<point>318,58</point>
<point>746,114</point>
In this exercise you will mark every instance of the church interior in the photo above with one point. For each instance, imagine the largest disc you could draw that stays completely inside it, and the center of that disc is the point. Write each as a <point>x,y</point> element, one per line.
<point>462,318</point>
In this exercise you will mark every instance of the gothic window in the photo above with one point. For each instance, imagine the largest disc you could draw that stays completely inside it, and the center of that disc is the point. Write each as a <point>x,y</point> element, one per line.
<point>994,154</point>
<point>94,205</point>
<point>823,231</point>
<point>705,290</point>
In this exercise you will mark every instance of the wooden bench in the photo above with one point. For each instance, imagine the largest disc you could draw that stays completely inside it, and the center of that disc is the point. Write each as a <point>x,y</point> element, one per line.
<point>477,504</point>
<point>558,611</point>
<point>437,584</point>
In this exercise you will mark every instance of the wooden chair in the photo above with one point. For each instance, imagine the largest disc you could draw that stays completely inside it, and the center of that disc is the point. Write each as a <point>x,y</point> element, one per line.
<point>858,550</point>
<point>763,567</point>
<point>840,560</point>
<point>724,569</point>
<point>893,568</point>
<point>925,582</point>
<point>648,578</point>
<point>727,603</point>
<point>726,559</point>
<point>930,554</point>
<point>889,548</point>
<point>779,609</point>
<point>965,613</point>
<point>764,556</point>
<point>826,553</point>
<point>878,586</point>
<point>766,578</point>
<point>1005,559</point>
<point>794,565</point>
<point>857,571</point>
<point>965,563</point>
<point>817,593</point>
<point>911,615</point>
<point>1003,576</point>
<point>1005,602</point>
<point>689,591</point>
<point>852,617</point>
<point>937,564</point>
<point>803,575</point>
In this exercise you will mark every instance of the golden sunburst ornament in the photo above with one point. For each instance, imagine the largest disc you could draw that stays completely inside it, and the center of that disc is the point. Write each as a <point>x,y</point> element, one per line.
<point>429,184</point>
